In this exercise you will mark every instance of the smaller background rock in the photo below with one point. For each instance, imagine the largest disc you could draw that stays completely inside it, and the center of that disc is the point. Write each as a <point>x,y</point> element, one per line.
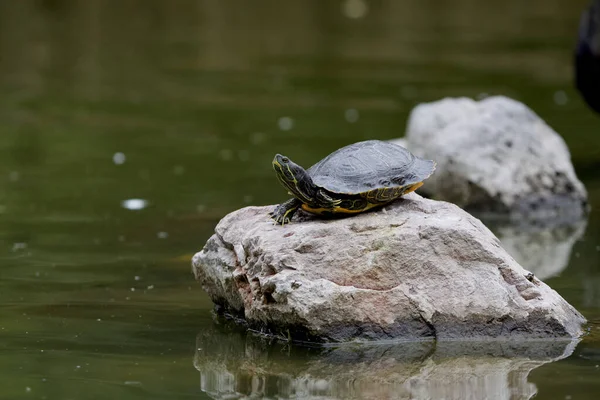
<point>495,155</point>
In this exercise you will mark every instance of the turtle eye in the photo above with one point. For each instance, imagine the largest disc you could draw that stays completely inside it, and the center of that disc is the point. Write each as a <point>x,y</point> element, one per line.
<point>285,159</point>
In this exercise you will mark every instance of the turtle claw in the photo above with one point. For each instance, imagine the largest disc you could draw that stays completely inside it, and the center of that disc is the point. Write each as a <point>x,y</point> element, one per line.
<point>282,214</point>
<point>278,219</point>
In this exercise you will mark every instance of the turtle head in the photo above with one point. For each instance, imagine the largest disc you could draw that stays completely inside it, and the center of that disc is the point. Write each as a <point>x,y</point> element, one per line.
<point>294,178</point>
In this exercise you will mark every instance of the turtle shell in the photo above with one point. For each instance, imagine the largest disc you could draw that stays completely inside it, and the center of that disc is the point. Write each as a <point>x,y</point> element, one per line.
<point>373,164</point>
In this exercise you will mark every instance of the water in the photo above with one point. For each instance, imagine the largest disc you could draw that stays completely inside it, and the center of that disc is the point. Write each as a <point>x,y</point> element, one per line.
<point>128,129</point>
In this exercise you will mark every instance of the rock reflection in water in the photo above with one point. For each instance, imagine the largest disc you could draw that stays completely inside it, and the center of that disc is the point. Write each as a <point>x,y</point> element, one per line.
<point>238,365</point>
<point>544,249</point>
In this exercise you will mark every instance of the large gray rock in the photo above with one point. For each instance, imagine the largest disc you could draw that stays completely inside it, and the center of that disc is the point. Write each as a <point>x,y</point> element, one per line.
<point>418,268</point>
<point>495,155</point>
<point>239,365</point>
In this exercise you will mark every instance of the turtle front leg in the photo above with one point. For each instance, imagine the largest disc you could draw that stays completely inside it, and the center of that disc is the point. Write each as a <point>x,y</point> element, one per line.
<point>284,212</point>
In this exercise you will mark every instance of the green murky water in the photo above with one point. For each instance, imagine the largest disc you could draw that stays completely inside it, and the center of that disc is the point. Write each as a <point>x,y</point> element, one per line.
<point>182,105</point>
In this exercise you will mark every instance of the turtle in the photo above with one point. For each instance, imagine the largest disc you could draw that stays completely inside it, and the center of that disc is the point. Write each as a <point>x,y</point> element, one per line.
<point>351,180</point>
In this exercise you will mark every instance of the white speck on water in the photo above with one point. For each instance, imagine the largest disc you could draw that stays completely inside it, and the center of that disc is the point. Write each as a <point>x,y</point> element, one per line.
<point>568,397</point>
<point>560,98</point>
<point>132,289</point>
<point>226,154</point>
<point>78,367</point>
<point>577,255</point>
<point>134,204</point>
<point>127,298</point>
<point>257,138</point>
<point>19,246</point>
<point>119,158</point>
<point>28,389</point>
<point>355,9</point>
<point>285,123</point>
<point>351,115</point>
<point>13,176</point>
<point>137,278</point>
<point>162,235</point>
<point>2,208</point>
<point>150,287</point>
<point>200,208</point>
<point>99,320</point>
<point>597,248</point>
<point>179,170</point>
<point>121,238</point>
<point>133,383</point>
<point>37,274</point>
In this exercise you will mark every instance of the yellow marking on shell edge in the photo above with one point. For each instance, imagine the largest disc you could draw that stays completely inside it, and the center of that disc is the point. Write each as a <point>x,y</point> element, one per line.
<point>413,187</point>
<point>341,210</point>
<point>311,210</point>
<point>337,210</point>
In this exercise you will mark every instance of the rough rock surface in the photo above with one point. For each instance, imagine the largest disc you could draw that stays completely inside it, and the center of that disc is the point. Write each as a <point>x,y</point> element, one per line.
<point>417,268</point>
<point>495,155</point>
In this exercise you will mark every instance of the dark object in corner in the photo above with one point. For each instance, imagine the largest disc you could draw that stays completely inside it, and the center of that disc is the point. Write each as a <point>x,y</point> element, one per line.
<point>587,56</point>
